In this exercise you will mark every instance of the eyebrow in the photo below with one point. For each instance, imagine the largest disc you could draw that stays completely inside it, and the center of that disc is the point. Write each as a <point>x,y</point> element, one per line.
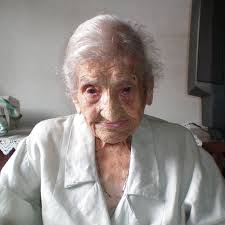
<point>84,80</point>
<point>88,80</point>
<point>127,79</point>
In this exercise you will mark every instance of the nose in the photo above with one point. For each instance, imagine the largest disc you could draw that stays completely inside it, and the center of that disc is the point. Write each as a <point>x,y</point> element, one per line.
<point>111,108</point>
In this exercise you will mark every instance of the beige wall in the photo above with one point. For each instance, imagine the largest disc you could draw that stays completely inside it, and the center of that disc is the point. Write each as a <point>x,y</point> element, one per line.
<point>34,33</point>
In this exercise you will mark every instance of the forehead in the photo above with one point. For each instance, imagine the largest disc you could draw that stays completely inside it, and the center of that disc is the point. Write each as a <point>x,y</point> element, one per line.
<point>119,68</point>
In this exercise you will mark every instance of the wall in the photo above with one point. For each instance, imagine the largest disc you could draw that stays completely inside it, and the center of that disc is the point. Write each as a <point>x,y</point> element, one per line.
<point>34,35</point>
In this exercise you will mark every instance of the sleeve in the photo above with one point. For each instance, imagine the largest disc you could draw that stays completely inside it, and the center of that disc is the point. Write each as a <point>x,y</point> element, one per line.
<point>205,200</point>
<point>20,189</point>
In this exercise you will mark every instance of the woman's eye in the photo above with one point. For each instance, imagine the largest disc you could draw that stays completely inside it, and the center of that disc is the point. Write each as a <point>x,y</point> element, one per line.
<point>127,90</point>
<point>127,93</point>
<point>91,91</point>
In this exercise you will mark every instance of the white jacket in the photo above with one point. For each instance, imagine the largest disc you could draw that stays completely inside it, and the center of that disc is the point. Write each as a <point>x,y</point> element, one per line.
<point>52,179</point>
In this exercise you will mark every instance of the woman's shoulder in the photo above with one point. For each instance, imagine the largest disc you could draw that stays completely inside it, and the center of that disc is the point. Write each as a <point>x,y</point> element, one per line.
<point>52,132</point>
<point>53,126</point>
<point>164,127</point>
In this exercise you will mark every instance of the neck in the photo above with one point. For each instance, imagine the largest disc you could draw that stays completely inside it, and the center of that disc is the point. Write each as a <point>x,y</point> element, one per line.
<point>103,145</point>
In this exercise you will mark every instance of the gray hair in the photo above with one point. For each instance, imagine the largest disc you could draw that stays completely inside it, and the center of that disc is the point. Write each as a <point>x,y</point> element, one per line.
<point>107,36</point>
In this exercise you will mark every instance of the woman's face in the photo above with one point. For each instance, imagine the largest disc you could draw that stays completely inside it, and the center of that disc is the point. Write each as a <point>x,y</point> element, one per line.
<point>111,97</point>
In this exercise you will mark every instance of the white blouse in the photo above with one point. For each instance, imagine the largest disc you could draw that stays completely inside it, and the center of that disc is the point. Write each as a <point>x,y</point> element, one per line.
<point>52,179</point>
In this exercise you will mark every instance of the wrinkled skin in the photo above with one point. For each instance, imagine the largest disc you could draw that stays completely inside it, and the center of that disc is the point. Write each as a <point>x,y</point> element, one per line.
<point>112,98</point>
<point>113,167</point>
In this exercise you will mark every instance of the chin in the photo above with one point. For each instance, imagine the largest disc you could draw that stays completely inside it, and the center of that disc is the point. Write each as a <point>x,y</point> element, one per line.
<point>113,135</point>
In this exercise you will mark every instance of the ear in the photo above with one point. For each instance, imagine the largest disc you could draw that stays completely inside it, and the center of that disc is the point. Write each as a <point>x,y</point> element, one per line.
<point>77,105</point>
<point>149,94</point>
<point>149,97</point>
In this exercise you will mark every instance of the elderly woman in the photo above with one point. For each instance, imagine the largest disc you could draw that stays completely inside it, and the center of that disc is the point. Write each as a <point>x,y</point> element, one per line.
<point>110,164</point>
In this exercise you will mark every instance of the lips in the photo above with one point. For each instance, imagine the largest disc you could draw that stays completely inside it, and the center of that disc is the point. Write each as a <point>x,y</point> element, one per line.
<point>112,125</point>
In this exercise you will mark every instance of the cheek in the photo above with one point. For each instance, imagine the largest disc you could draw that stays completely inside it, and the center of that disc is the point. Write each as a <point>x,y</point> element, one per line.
<point>127,99</point>
<point>89,111</point>
<point>133,104</point>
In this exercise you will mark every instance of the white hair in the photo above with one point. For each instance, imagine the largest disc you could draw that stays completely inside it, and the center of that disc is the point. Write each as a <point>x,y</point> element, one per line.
<point>107,36</point>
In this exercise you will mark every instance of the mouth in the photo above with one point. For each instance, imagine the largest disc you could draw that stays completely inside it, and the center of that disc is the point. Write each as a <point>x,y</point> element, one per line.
<point>112,125</point>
